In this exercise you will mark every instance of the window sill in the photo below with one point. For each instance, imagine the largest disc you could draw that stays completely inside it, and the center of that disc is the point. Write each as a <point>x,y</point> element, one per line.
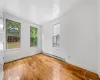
<point>57,48</point>
<point>12,49</point>
<point>34,47</point>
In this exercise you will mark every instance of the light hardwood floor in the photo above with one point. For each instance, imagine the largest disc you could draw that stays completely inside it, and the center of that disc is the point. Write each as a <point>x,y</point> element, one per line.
<point>43,67</point>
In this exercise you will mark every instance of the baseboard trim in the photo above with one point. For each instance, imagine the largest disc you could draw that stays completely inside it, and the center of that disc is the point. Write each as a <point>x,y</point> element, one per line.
<point>54,56</point>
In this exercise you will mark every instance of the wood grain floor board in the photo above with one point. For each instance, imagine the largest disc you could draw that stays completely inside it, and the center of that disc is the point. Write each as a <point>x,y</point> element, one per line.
<point>43,67</point>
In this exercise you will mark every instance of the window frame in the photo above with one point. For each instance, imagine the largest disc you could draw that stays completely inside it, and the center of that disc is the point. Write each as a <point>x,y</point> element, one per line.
<point>8,49</point>
<point>30,37</point>
<point>54,36</point>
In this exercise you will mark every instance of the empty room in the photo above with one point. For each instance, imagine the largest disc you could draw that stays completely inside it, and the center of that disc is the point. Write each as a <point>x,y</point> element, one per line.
<point>49,39</point>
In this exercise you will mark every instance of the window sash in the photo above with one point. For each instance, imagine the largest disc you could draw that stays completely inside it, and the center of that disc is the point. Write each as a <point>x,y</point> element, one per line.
<point>13,37</point>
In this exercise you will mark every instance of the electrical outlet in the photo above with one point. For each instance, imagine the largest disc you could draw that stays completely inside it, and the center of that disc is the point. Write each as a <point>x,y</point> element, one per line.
<point>69,57</point>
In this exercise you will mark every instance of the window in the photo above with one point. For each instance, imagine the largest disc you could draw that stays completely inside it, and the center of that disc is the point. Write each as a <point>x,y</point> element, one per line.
<point>56,35</point>
<point>12,34</point>
<point>1,34</point>
<point>33,36</point>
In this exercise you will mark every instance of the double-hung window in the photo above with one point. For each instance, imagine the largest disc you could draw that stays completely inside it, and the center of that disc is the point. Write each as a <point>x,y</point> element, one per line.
<point>56,35</point>
<point>12,34</point>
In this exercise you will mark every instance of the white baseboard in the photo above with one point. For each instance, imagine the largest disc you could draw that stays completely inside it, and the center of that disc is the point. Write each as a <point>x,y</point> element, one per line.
<point>54,56</point>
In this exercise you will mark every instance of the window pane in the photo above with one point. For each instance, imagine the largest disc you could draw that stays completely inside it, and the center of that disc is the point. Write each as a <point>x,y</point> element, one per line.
<point>12,34</point>
<point>33,36</point>
<point>57,29</point>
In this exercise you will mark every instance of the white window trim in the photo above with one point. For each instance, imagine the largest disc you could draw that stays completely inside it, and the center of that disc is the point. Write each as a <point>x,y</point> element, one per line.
<point>5,42</point>
<point>57,48</point>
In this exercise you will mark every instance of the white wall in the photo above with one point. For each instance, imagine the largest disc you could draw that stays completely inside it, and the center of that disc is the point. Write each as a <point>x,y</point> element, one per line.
<point>99,37</point>
<point>1,14</point>
<point>99,48</point>
<point>1,58</point>
<point>25,49</point>
<point>78,42</point>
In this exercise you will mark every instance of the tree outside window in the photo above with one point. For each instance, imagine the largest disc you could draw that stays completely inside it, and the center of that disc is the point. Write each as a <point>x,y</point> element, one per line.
<point>33,36</point>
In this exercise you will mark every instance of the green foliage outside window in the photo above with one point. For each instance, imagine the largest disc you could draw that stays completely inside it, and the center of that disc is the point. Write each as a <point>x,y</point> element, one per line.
<point>33,36</point>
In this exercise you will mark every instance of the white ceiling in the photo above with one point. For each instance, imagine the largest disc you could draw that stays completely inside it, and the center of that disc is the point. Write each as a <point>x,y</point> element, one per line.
<point>37,11</point>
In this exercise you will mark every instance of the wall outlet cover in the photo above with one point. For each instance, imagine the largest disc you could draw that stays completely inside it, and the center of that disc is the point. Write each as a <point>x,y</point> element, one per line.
<point>69,56</point>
